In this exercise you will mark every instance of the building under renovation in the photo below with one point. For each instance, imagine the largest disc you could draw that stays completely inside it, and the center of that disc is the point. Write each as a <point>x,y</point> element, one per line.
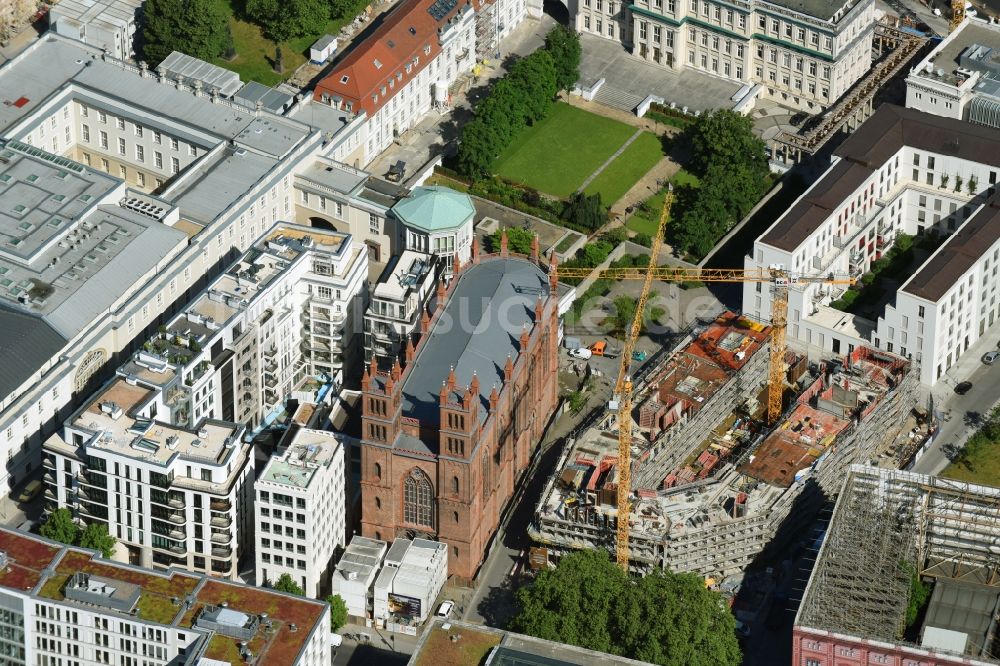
<point>888,527</point>
<point>713,485</point>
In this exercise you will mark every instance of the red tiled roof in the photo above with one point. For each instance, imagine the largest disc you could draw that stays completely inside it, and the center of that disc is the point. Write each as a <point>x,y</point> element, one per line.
<point>403,38</point>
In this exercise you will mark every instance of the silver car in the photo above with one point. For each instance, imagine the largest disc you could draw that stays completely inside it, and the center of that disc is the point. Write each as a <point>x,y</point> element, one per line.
<point>990,357</point>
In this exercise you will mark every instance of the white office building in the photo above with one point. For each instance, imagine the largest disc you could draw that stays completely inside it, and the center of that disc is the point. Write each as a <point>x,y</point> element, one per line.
<point>355,574</point>
<point>67,606</point>
<point>960,77</point>
<point>902,172</point>
<point>109,25</point>
<point>803,53</point>
<point>413,575</point>
<point>300,511</point>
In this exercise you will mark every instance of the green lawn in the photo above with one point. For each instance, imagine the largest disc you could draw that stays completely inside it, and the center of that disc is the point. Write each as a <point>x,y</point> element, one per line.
<point>619,176</point>
<point>979,460</point>
<point>646,221</point>
<point>255,53</point>
<point>556,155</point>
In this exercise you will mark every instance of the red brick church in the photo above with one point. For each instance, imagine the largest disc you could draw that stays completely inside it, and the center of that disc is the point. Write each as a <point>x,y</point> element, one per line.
<point>450,429</point>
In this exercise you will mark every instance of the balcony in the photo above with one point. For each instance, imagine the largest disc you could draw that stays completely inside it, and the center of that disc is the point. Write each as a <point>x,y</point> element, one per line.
<point>49,476</point>
<point>221,521</point>
<point>220,504</point>
<point>48,462</point>
<point>174,548</point>
<point>177,517</point>
<point>222,537</point>
<point>222,566</point>
<point>224,551</point>
<point>884,242</point>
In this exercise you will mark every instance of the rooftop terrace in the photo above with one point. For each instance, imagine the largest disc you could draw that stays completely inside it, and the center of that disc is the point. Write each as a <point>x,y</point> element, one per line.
<point>309,451</point>
<point>170,598</point>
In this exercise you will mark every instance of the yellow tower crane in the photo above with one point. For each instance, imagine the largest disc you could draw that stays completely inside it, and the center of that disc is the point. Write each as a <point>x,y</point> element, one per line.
<point>779,279</point>
<point>957,14</point>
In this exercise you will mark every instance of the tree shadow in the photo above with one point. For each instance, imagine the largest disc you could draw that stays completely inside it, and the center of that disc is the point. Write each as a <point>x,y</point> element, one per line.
<point>973,419</point>
<point>497,607</point>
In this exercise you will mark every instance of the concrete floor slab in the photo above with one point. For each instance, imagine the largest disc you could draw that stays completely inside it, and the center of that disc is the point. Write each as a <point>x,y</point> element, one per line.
<point>636,78</point>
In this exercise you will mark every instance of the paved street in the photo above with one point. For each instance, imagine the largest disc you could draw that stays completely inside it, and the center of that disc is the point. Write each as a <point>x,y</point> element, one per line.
<point>961,411</point>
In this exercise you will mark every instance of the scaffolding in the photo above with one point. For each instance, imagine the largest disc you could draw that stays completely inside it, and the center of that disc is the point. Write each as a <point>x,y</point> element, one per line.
<point>888,526</point>
<point>488,31</point>
<point>854,107</point>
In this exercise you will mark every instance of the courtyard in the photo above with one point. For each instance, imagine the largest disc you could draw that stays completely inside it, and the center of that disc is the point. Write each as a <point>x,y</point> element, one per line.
<point>572,149</point>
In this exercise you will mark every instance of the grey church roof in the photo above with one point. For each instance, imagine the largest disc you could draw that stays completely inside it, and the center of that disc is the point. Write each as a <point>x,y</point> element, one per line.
<point>26,344</point>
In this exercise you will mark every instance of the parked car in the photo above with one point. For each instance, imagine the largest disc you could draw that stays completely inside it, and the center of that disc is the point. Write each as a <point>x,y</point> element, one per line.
<point>581,353</point>
<point>963,387</point>
<point>444,610</point>
<point>990,357</point>
<point>639,356</point>
<point>602,348</point>
<point>742,629</point>
<point>30,491</point>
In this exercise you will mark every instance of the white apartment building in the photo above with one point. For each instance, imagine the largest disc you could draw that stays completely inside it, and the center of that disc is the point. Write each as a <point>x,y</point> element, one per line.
<point>66,606</point>
<point>174,496</point>
<point>107,24</point>
<point>804,53</point>
<point>300,511</point>
<point>408,64</point>
<point>398,301</point>
<point>436,220</point>
<point>290,308</point>
<point>960,78</point>
<point>902,171</point>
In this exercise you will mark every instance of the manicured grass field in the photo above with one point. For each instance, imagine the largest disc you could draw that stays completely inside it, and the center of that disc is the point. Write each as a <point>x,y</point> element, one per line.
<point>977,464</point>
<point>619,176</point>
<point>646,222</point>
<point>255,53</point>
<point>556,155</point>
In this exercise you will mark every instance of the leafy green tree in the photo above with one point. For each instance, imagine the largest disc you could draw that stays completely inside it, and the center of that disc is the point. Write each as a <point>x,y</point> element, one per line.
<point>518,240</point>
<point>285,583</point>
<point>59,526</point>
<point>624,312</point>
<point>616,235</point>
<point>338,611</point>
<point>643,239</point>
<point>535,75</point>
<point>725,137</point>
<point>199,28</point>
<point>283,19</point>
<point>563,45</point>
<point>95,536</point>
<point>585,211</point>
<point>477,149</point>
<point>702,215</point>
<point>577,401</point>
<point>663,618</point>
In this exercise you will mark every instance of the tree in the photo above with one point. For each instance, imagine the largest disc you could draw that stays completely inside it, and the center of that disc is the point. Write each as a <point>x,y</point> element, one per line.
<point>338,611</point>
<point>535,76</point>
<point>563,45</point>
<point>663,618</point>
<point>199,28</point>
<point>95,536</point>
<point>285,583</point>
<point>624,312</point>
<point>283,19</point>
<point>518,240</point>
<point>477,149</point>
<point>59,526</point>
<point>586,211</point>
<point>725,138</point>
<point>616,235</point>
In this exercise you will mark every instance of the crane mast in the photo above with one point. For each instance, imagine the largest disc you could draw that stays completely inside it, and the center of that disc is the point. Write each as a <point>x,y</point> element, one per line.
<point>777,277</point>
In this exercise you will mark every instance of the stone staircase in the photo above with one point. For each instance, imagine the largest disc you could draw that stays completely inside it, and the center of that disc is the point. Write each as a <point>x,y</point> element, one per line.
<point>617,99</point>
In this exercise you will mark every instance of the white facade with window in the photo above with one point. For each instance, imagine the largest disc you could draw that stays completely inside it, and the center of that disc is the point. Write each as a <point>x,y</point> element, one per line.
<point>805,54</point>
<point>300,512</point>
<point>914,188</point>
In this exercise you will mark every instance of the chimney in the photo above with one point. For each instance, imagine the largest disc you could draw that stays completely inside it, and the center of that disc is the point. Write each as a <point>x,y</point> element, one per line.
<point>534,248</point>
<point>409,347</point>
<point>457,265</point>
<point>524,339</point>
<point>538,309</point>
<point>553,273</point>
<point>441,293</point>
<point>425,321</point>
<point>451,379</point>
<point>503,242</point>
<point>443,395</point>
<point>494,399</point>
<point>508,370</point>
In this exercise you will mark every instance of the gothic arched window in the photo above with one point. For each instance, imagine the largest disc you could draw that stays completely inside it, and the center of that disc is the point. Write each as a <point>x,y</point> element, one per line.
<point>418,499</point>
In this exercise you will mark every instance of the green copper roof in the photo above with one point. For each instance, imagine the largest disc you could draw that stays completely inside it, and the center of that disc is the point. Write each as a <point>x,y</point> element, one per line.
<point>434,208</point>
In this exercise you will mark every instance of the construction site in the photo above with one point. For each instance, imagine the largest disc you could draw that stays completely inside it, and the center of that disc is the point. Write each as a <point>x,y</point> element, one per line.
<point>713,484</point>
<point>891,533</point>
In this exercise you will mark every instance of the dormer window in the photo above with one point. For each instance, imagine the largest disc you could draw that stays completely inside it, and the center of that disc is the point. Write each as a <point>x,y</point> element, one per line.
<point>427,50</point>
<point>378,64</point>
<point>344,78</point>
<point>399,76</point>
